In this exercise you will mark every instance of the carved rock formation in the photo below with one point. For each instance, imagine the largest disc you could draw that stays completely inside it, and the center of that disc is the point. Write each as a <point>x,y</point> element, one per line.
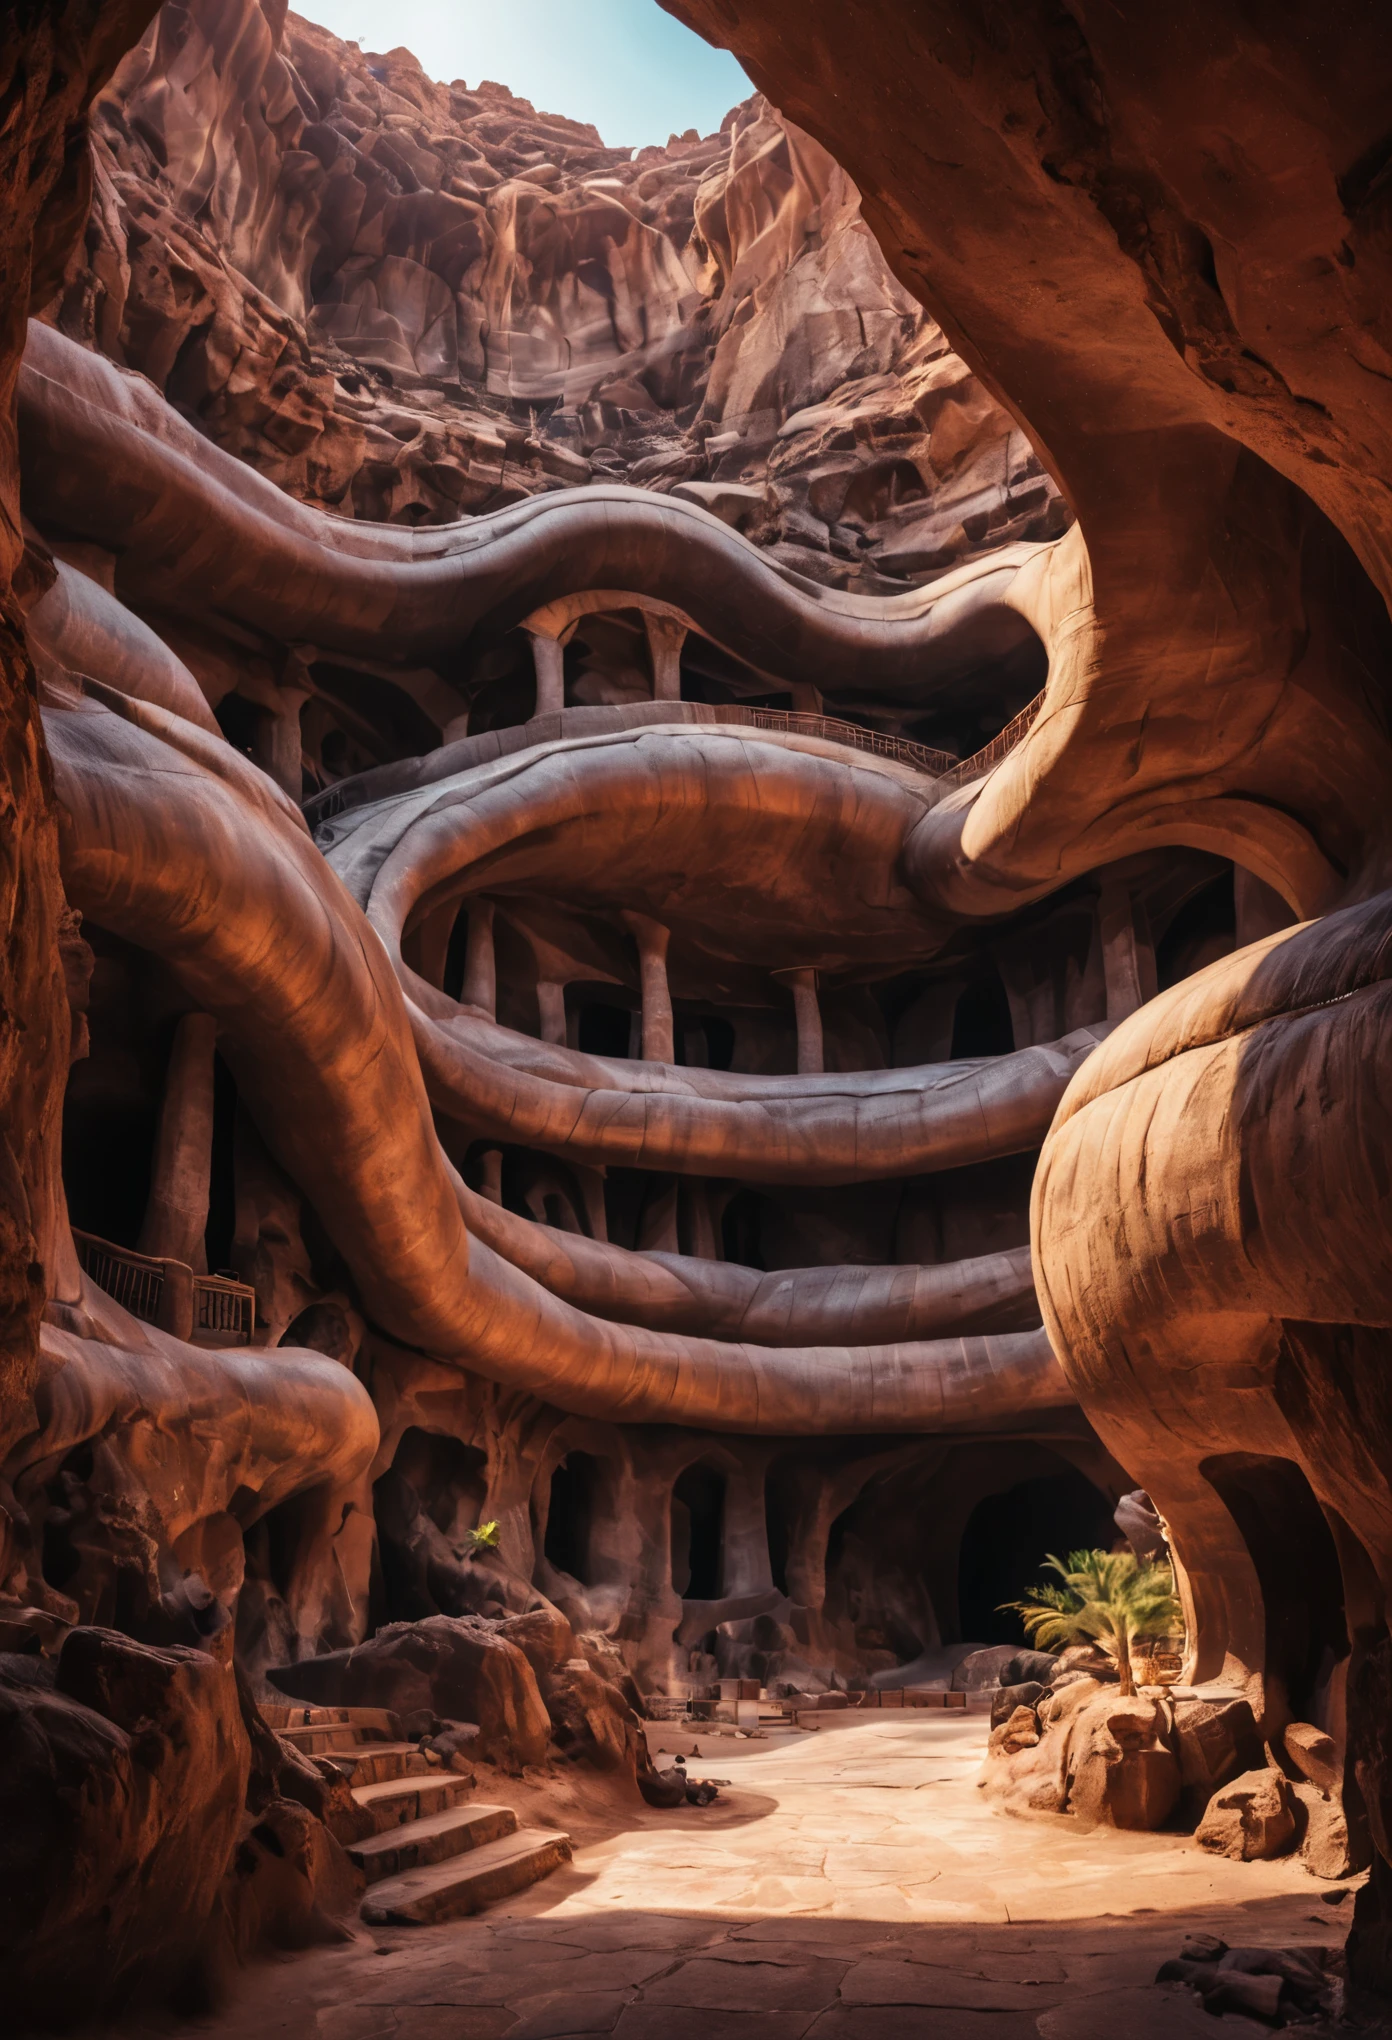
<point>686,1038</point>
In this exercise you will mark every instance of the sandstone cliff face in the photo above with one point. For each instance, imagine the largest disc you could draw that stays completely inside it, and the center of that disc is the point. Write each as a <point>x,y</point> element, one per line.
<point>409,301</point>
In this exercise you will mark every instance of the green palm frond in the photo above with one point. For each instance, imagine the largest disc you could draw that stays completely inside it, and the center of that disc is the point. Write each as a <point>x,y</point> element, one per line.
<point>1105,1597</point>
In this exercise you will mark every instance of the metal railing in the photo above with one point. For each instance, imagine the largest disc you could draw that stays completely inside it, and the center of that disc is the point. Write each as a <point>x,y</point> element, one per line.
<point>135,1280</point>
<point>980,762</point>
<point>948,772</point>
<point>798,723</point>
<point>223,1309</point>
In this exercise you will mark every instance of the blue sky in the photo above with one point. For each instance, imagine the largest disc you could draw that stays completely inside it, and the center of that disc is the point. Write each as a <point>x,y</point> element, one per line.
<point>623,64</point>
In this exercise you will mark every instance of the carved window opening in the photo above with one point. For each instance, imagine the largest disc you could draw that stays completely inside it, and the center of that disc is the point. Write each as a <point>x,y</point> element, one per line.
<point>698,1533</point>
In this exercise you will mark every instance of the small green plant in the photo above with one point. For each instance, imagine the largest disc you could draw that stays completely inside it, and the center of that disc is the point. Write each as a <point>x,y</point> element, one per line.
<point>1107,1598</point>
<point>484,1538</point>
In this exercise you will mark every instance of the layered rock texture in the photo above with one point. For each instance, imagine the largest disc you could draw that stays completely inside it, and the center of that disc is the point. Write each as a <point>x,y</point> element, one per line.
<point>695,1024</point>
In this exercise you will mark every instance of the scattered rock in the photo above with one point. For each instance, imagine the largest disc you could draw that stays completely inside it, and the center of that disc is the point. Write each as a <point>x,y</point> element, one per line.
<point>1250,1820</point>
<point>983,1668</point>
<point>1020,1731</point>
<point>1329,1847</point>
<point>1314,1754</point>
<point>1124,1772</point>
<point>460,1667</point>
<point>1218,1740</point>
<point>1027,1666</point>
<point>1008,1698</point>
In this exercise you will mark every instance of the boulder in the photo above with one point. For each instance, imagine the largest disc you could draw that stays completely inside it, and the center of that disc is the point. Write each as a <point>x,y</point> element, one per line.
<point>1138,1520</point>
<point>1251,1819</point>
<point>1124,1772</point>
<point>1330,1847</point>
<point>982,1668</point>
<point>591,1719</point>
<point>544,1637</point>
<point>1007,1698</point>
<point>1033,1777</point>
<point>289,1885</point>
<point>663,1789</point>
<point>1027,1666</point>
<point>1218,1740</point>
<point>1019,1731</point>
<point>1315,1754</point>
<point>123,1772</point>
<point>460,1667</point>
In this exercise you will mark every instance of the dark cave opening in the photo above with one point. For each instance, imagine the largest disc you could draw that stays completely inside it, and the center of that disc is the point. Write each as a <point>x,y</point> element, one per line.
<point>456,957</point>
<point>1297,1565</point>
<point>604,1029</point>
<point>698,1532</point>
<point>982,1023</point>
<point>740,1228</point>
<point>1007,1538</point>
<point>570,1515</point>
<point>1204,929</point>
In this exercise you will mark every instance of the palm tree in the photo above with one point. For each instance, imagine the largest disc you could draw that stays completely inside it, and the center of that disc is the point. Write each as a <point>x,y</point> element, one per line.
<point>1107,1598</point>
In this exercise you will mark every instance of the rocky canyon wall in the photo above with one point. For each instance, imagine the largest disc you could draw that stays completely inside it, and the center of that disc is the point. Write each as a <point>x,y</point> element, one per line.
<point>695,1024</point>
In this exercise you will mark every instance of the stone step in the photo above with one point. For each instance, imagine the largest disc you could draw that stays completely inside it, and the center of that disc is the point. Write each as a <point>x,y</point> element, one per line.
<point>371,1722</point>
<point>465,1884</point>
<point>370,1763</point>
<point>395,1800</point>
<point>434,1838</point>
<point>323,1741</point>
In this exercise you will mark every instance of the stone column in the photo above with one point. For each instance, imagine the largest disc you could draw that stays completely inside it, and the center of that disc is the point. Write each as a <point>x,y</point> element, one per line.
<point>551,1007</point>
<point>176,1214</point>
<point>480,986</point>
<point>652,939</point>
<point>548,653</point>
<point>666,636</point>
<point>807,1009</point>
<point>591,1186</point>
<point>491,1183</point>
<point>1128,956</point>
<point>278,743</point>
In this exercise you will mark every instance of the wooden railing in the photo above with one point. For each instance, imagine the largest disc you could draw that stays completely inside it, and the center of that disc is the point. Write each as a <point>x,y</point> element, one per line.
<point>135,1280</point>
<point>224,1310</point>
<point>209,1310</point>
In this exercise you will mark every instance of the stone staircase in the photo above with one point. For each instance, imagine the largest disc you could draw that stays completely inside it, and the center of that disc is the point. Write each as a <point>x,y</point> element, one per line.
<point>432,1856</point>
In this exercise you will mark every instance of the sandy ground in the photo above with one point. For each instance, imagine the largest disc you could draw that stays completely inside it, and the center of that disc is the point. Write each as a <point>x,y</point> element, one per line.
<point>849,1885</point>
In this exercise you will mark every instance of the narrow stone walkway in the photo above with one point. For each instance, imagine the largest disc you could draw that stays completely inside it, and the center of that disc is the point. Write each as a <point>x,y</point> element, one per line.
<point>850,1885</point>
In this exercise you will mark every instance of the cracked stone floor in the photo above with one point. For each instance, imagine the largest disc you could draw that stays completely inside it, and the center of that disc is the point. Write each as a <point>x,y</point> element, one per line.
<point>850,1885</point>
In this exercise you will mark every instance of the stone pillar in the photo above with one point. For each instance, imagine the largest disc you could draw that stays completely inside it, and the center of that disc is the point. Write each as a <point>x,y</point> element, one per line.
<point>657,1227</point>
<point>652,939</point>
<point>591,1186</point>
<point>431,942</point>
<point>1128,956</point>
<point>551,1007</point>
<point>666,636</point>
<point>548,653</point>
<point>480,986</point>
<point>278,743</point>
<point>807,1009</point>
<point>176,1215</point>
<point>700,1225</point>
